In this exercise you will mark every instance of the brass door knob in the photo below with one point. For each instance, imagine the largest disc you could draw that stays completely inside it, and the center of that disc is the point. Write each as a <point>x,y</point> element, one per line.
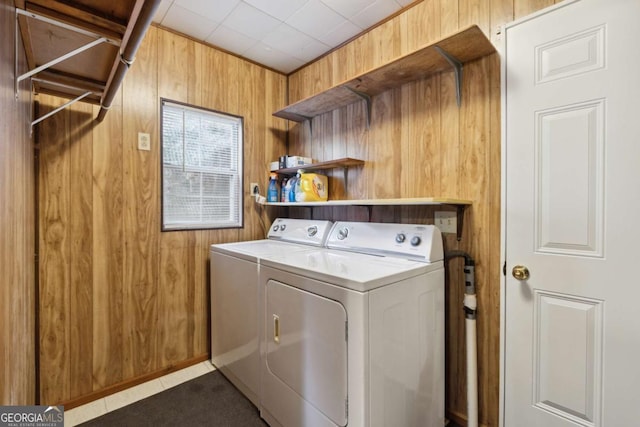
<point>520,272</point>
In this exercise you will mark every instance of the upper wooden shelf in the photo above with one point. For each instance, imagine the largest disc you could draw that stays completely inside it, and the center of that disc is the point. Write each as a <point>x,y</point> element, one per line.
<point>445,54</point>
<point>331,164</point>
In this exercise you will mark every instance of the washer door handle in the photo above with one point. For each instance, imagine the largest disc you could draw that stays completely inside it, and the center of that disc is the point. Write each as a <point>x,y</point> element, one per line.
<point>276,329</point>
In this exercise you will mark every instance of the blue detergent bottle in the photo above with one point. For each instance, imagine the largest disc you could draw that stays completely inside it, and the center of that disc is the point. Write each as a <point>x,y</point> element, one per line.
<point>272,189</point>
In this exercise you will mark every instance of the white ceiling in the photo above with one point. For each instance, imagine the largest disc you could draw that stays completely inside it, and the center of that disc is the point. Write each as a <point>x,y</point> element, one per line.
<point>281,34</point>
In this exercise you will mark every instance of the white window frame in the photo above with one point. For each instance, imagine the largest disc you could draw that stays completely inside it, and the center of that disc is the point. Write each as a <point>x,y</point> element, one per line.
<point>195,176</point>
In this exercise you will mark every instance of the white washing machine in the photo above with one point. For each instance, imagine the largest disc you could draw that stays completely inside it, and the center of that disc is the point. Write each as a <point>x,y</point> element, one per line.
<point>354,333</point>
<point>235,311</point>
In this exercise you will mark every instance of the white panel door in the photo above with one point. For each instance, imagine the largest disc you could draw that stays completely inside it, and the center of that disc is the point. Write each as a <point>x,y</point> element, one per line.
<point>571,210</point>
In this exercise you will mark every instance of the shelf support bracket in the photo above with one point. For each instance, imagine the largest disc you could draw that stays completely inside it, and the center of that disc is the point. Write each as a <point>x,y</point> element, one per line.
<point>61,58</point>
<point>367,100</point>
<point>345,176</point>
<point>98,40</point>
<point>460,218</point>
<point>60,108</point>
<point>310,121</point>
<point>457,70</point>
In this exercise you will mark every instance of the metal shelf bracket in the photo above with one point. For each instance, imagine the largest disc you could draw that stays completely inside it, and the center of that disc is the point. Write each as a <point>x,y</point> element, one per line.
<point>60,108</point>
<point>367,100</point>
<point>98,40</point>
<point>460,218</point>
<point>457,70</point>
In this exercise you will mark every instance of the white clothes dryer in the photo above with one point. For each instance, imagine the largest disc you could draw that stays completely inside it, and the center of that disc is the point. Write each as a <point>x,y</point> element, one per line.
<point>235,311</point>
<point>354,333</point>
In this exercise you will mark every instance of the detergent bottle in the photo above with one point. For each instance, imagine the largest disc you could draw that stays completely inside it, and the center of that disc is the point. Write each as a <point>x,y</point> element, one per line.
<point>295,188</point>
<point>272,189</point>
<point>313,188</point>
<point>292,187</point>
<point>285,187</point>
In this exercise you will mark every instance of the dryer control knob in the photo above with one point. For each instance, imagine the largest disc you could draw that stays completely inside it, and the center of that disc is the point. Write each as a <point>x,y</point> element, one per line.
<point>312,231</point>
<point>415,240</point>
<point>400,237</point>
<point>343,233</point>
<point>276,227</point>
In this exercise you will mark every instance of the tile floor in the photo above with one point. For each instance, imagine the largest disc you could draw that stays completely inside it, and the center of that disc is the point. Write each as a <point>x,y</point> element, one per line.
<point>99,407</point>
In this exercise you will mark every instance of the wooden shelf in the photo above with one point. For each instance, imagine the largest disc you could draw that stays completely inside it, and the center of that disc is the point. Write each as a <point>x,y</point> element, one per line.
<point>464,46</point>
<point>377,202</point>
<point>80,50</point>
<point>331,164</point>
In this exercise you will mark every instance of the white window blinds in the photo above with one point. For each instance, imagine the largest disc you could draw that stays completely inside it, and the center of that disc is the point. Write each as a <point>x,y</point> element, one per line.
<point>201,168</point>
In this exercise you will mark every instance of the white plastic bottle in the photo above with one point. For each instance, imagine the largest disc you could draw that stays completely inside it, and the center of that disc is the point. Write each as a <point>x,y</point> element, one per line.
<point>295,189</point>
<point>292,188</point>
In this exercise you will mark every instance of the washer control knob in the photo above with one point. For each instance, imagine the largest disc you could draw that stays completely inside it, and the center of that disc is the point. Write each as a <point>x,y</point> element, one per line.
<point>343,233</point>
<point>276,227</point>
<point>312,231</point>
<point>400,237</point>
<point>415,240</point>
<point>282,227</point>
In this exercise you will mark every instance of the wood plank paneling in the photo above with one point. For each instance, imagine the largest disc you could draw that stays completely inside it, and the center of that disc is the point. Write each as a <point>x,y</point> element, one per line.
<point>80,249</point>
<point>130,299</point>
<point>141,201</point>
<point>55,262</point>
<point>108,247</point>
<point>17,226</point>
<point>524,7</point>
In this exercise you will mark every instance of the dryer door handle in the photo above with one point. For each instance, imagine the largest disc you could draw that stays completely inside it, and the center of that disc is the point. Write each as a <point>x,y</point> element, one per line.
<point>276,329</point>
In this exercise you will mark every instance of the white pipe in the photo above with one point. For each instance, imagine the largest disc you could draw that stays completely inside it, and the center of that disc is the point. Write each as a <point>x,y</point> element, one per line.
<point>470,312</point>
<point>472,372</point>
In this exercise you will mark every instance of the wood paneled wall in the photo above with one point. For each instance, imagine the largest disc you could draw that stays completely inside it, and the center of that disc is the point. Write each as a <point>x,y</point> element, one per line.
<point>421,144</point>
<point>17,226</point>
<point>121,301</point>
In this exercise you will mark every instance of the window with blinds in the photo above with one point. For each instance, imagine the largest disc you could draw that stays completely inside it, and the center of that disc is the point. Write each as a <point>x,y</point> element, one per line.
<point>201,168</point>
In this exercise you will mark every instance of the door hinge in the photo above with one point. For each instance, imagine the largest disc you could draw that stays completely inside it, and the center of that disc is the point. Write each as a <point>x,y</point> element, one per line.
<point>346,331</point>
<point>504,269</point>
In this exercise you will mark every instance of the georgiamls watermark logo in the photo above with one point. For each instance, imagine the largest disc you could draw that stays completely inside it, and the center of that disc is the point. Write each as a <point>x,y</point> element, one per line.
<point>32,416</point>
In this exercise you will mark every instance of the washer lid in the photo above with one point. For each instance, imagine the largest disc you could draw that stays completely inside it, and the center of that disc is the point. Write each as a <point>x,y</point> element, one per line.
<point>355,271</point>
<point>254,250</point>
